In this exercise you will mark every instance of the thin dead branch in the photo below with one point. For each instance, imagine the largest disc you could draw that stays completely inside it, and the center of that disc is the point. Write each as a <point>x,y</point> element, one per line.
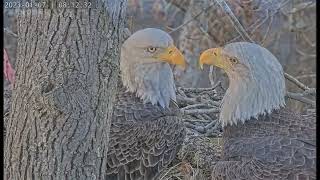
<point>296,82</point>
<point>211,78</point>
<point>199,90</point>
<point>234,20</point>
<point>200,111</point>
<point>300,97</point>
<point>194,106</point>
<point>306,76</point>
<point>190,20</point>
<point>8,31</point>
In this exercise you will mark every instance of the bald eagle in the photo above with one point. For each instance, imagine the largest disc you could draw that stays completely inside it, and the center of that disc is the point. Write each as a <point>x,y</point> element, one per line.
<point>147,128</point>
<point>263,139</point>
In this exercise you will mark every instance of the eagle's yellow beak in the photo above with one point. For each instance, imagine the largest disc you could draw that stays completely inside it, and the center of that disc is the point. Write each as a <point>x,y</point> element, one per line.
<point>213,57</point>
<point>172,55</point>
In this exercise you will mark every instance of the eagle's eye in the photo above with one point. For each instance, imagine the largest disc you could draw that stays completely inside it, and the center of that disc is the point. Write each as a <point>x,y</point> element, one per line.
<point>233,60</point>
<point>151,49</point>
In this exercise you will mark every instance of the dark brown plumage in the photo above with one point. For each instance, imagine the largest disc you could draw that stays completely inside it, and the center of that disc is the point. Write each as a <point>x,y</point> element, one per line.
<point>281,145</point>
<point>144,138</point>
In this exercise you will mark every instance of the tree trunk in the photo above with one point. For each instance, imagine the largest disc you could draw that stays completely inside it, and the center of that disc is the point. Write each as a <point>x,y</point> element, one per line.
<point>67,70</point>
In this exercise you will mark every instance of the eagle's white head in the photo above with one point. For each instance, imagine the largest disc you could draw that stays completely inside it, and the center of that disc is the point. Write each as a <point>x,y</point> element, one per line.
<point>144,65</point>
<point>256,80</point>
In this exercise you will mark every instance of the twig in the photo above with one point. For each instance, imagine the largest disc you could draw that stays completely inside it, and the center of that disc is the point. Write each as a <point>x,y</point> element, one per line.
<point>170,170</point>
<point>197,121</point>
<point>200,111</point>
<point>190,20</point>
<point>305,54</point>
<point>304,37</point>
<point>234,20</point>
<point>258,23</point>
<point>211,76</point>
<point>200,129</point>
<point>183,101</point>
<point>302,6</point>
<point>296,82</point>
<point>306,76</point>
<point>199,90</point>
<point>8,31</point>
<point>311,91</point>
<point>208,129</point>
<point>214,128</point>
<point>267,32</point>
<point>205,32</point>
<point>299,97</point>
<point>196,106</point>
<point>211,124</point>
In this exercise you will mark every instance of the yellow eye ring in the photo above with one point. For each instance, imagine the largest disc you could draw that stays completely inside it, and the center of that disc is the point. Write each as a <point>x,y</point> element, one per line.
<point>151,49</point>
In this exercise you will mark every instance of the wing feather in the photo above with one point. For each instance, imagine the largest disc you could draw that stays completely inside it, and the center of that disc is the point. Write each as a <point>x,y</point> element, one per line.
<point>143,138</point>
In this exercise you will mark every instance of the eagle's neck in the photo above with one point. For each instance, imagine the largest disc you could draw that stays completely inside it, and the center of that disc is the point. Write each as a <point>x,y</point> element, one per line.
<point>248,98</point>
<point>151,82</point>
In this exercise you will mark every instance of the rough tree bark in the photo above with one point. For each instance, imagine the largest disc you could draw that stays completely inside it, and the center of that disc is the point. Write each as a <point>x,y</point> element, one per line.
<point>67,69</point>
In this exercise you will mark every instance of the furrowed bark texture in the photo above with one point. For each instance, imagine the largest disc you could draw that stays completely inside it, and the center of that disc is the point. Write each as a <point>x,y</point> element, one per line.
<point>67,71</point>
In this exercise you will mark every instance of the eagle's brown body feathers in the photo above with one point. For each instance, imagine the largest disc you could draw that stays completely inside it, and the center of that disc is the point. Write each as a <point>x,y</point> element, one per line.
<point>144,138</point>
<point>281,145</point>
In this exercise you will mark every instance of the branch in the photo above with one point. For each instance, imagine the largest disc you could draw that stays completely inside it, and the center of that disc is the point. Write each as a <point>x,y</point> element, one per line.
<point>302,6</point>
<point>182,100</point>
<point>200,129</point>
<point>296,82</point>
<point>306,76</point>
<point>208,129</point>
<point>194,106</point>
<point>200,111</point>
<point>199,90</point>
<point>8,31</point>
<point>252,28</point>
<point>211,78</point>
<point>190,20</point>
<point>299,97</point>
<point>234,20</point>
<point>181,4</point>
